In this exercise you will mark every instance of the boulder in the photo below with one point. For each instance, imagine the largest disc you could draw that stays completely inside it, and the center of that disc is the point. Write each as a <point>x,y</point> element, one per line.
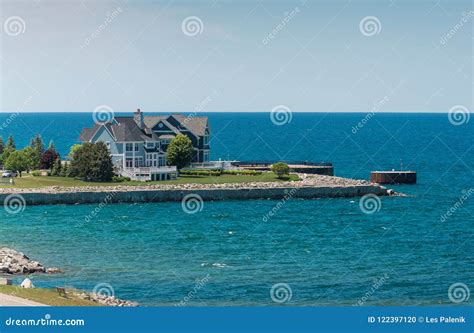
<point>27,284</point>
<point>14,262</point>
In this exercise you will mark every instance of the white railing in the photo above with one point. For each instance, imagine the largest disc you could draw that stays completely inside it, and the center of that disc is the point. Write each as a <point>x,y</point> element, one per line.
<point>152,169</point>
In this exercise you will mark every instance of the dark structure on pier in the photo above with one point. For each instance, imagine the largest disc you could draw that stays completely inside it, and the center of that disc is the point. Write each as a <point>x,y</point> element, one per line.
<point>393,177</point>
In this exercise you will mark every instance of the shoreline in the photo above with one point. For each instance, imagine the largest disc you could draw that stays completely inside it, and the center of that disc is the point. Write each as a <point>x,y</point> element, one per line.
<point>308,187</point>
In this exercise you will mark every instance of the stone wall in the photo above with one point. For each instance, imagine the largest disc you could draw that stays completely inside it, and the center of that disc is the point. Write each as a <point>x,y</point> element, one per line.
<point>206,194</point>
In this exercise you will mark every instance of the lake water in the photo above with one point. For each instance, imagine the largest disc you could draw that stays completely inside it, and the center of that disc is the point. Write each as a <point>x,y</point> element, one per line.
<point>327,252</point>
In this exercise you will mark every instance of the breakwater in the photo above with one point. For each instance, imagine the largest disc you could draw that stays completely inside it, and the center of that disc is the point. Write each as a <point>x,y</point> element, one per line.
<point>157,195</point>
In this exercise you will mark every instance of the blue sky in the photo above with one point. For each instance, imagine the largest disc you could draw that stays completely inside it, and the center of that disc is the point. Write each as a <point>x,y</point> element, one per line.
<point>246,56</point>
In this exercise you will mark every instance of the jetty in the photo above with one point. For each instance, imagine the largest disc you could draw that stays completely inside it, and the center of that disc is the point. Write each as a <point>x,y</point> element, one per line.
<point>309,186</point>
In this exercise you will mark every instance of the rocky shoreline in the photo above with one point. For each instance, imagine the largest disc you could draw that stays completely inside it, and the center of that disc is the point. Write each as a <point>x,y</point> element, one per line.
<point>306,180</point>
<point>308,187</point>
<point>15,263</point>
<point>105,299</point>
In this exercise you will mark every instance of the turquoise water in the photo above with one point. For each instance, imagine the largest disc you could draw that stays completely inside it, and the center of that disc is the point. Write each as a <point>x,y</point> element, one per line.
<point>328,251</point>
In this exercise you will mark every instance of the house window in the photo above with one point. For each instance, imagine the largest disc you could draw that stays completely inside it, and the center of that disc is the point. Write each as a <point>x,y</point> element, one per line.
<point>151,159</point>
<point>138,162</point>
<point>150,144</point>
<point>161,160</point>
<point>107,143</point>
<point>129,147</point>
<point>206,139</point>
<point>206,156</point>
<point>129,163</point>
<point>137,148</point>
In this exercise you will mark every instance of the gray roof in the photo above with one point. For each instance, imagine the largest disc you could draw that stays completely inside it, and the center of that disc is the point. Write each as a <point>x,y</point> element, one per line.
<point>123,129</point>
<point>196,125</point>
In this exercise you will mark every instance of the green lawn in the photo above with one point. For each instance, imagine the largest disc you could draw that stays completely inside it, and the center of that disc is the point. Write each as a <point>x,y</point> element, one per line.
<point>47,296</point>
<point>29,181</point>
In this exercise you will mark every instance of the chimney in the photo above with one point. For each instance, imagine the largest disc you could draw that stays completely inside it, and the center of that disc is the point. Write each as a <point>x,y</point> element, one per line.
<point>138,117</point>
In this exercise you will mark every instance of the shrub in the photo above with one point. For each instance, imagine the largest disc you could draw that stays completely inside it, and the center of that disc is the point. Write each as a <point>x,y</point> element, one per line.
<point>36,173</point>
<point>188,172</point>
<point>120,179</point>
<point>282,170</point>
<point>242,172</point>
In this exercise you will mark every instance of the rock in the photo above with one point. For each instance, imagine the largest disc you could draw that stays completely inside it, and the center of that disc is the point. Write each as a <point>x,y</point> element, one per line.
<point>14,262</point>
<point>5,282</point>
<point>53,270</point>
<point>27,284</point>
<point>105,299</point>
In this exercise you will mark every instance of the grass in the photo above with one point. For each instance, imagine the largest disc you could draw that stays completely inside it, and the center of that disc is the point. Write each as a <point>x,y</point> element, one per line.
<point>47,296</point>
<point>29,181</point>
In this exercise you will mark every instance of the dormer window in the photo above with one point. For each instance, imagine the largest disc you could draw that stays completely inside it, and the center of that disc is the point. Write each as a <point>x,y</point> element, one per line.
<point>206,139</point>
<point>150,144</point>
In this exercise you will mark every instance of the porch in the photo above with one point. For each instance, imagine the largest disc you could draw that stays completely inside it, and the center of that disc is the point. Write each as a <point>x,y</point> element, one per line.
<point>146,173</point>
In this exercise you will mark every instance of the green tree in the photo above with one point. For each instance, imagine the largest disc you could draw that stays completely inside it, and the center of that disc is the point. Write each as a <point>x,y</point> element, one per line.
<point>64,170</point>
<point>56,170</point>
<point>73,149</point>
<point>2,145</point>
<point>38,146</point>
<point>32,156</point>
<point>92,162</point>
<point>282,170</point>
<point>11,143</point>
<point>51,145</point>
<point>180,151</point>
<point>10,147</point>
<point>17,161</point>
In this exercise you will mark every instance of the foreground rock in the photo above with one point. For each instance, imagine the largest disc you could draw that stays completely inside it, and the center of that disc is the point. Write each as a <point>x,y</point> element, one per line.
<point>105,299</point>
<point>14,262</point>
